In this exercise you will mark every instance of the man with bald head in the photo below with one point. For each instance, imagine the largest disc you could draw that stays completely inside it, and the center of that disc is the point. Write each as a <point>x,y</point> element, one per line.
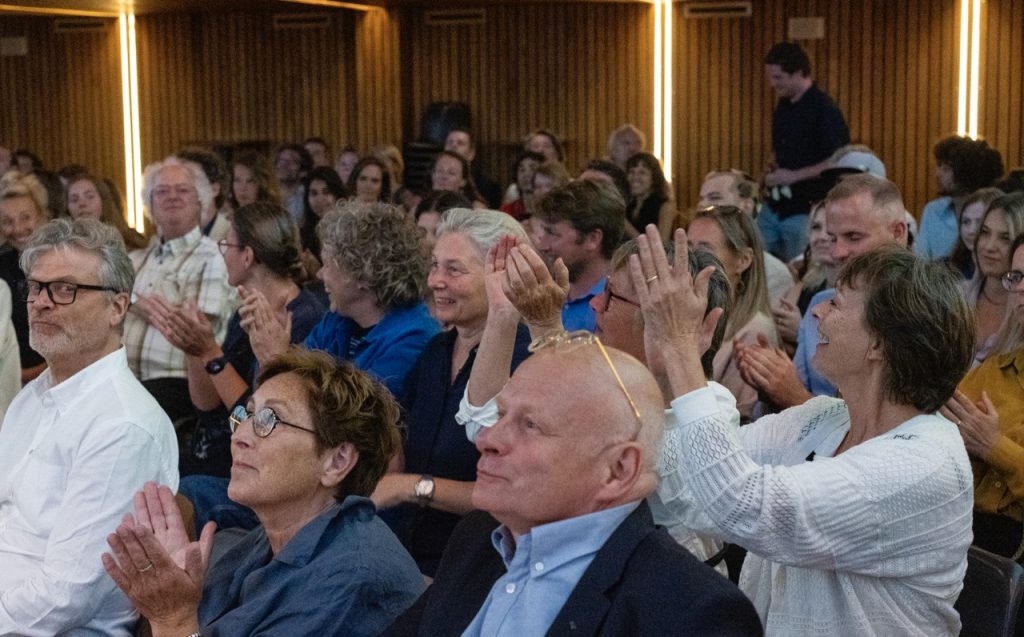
<point>862,212</point>
<point>564,541</point>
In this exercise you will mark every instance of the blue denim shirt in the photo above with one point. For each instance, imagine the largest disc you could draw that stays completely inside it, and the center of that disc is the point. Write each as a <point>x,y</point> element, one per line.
<point>940,229</point>
<point>806,341</point>
<point>389,349</point>
<point>544,567</point>
<point>344,573</point>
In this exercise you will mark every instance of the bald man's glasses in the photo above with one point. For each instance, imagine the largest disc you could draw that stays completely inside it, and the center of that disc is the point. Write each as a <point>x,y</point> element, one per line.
<point>568,341</point>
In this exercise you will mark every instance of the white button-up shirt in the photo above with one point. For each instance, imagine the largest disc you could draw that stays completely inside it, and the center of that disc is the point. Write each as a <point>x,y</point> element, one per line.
<point>71,458</point>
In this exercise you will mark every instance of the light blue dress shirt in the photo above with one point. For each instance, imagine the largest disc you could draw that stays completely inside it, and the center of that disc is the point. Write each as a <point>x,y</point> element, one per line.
<point>806,340</point>
<point>939,231</point>
<point>577,315</point>
<point>544,567</point>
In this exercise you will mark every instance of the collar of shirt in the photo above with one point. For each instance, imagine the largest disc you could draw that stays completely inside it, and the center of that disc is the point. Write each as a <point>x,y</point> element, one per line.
<point>68,393</point>
<point>300,549</point>
<point>589,294</point>
<point>1014,359</point>
<point>554,544</point>
<point>180,245</point>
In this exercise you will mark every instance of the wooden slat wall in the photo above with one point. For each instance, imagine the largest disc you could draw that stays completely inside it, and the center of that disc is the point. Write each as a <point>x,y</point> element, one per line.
<point>1001,119</point>
<point>891,66</point>
<point>377,90</point>
<point>234,77</point>
<point>63,100</point>
<point>578,69</point>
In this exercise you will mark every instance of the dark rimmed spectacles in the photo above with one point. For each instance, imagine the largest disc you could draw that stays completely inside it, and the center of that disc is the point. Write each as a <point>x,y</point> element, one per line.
<point>224,244</point>
<point>60,292</point>
<point>569,341</point>
<point>1011,280</point>
<point>609,295</point>
<point>263,421</point>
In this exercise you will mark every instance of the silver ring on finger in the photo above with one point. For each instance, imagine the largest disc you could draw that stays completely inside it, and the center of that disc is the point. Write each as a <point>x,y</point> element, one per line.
<point>147,567</point>
<point>653,277</point>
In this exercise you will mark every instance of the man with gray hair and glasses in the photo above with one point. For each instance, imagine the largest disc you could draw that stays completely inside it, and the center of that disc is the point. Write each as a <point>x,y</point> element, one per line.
<point>77,442</point>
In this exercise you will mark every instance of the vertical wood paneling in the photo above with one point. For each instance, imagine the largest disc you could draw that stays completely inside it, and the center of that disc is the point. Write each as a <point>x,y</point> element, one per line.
<point>234,77</point>
<point>891,66</point>
<point>377,91</point>
<point>1001,119</point>
<point>63,100</point>
<point>579,69</point>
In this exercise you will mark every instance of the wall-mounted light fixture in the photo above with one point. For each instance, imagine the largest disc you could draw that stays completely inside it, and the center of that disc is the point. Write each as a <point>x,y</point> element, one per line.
<point>970,64</point>
<point>130,111</point>
<point>662,143</point>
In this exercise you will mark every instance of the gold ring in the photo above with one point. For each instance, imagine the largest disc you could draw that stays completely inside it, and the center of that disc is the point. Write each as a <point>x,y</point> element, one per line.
<point>147,567</point>
<point>651,278</point>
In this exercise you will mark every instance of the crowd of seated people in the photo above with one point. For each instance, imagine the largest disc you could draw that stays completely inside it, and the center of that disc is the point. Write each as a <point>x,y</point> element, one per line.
<point>493,393</point>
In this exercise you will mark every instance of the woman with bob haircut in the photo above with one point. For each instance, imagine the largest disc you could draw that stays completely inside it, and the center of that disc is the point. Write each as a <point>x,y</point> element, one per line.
<point>989,410</point>
<point>855,512</point>
<point>309,446</point>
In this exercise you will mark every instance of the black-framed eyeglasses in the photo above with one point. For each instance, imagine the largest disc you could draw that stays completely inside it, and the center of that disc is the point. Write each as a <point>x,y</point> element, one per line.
<point>60,292</point>
<point>1011,280</point>
<point>224,244</point>
<point>263,421</point>
<point>568,341</point>
<point>609,295</point>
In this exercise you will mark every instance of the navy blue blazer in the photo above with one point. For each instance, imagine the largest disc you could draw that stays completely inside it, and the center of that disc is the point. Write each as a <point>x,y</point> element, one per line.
<point>640,583</point>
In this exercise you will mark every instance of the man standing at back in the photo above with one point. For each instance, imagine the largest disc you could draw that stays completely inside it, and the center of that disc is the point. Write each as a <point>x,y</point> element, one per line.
<point>77,442</point>
<point>807,127</point>
<point>564,542</point>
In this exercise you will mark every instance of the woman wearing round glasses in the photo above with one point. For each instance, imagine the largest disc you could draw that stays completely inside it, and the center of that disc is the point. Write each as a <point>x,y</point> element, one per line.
<point>311,444</point>
<point>989,410</point>
<point>261,252</point>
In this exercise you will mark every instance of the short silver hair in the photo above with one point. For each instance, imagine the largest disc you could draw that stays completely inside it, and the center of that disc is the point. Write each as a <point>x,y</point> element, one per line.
<point>115,271</point>
<point>483,228</point>
<point>199,181</point>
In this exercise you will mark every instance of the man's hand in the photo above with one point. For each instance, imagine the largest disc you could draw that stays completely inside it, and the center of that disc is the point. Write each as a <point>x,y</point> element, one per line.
<point>188,329</point>
<point>978,422</point>
<point>787,320</point>
<point>771,371</point>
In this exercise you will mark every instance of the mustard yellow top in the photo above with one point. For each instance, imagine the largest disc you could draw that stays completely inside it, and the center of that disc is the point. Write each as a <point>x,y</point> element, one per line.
<point>999,478</point>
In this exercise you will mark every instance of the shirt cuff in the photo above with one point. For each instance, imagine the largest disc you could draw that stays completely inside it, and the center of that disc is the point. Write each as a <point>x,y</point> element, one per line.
<point>695,406</point>
<point>475,418</point>
<point>1007,456</point>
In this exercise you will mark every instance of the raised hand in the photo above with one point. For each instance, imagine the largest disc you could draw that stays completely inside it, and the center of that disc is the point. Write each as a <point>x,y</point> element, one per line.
<point>188,329</point>
<point>530,287</point>
<point>498,304</point>
<point>268,335</point>
<point>771,371</point>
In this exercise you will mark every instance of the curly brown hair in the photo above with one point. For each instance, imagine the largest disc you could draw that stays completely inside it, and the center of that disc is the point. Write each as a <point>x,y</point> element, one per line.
<point>378,244</point>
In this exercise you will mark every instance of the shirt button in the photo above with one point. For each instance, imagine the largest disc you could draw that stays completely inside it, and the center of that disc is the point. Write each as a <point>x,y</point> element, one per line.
<point>510,588</point>
<point>539,566</point>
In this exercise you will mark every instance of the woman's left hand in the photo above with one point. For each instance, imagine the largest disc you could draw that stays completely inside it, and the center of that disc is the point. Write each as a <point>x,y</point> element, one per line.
<point>978,423</point>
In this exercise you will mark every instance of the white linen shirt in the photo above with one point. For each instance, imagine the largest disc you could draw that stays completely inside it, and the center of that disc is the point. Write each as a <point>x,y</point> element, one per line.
<point>71,458</point>
<point>871,542</point>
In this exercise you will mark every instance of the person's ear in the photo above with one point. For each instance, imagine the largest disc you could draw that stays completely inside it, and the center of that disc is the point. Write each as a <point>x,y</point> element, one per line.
<point>624,469</point>
<point>337,464</point>
<point>745,260</point>
<point>119,307</point>
<point>594,239</point>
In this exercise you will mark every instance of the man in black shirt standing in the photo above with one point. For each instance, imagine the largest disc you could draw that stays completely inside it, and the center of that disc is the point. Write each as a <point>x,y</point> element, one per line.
<point>807,127</point>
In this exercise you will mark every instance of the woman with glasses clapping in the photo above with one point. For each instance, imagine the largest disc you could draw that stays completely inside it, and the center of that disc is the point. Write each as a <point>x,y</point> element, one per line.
<point>309,446</point>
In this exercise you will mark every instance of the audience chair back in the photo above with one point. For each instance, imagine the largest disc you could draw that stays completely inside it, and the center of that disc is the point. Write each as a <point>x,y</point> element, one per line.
<point>990,602</point>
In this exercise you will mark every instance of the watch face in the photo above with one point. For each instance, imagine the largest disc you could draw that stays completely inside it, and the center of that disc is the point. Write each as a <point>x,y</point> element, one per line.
<point>424,488</point>
<point>215,366</point>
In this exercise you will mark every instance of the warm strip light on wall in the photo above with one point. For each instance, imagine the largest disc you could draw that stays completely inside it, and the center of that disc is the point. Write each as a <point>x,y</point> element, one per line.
<point>658,10</point>
<point>970,65</point>
<point>130,108</point>
<point>662,146</point>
